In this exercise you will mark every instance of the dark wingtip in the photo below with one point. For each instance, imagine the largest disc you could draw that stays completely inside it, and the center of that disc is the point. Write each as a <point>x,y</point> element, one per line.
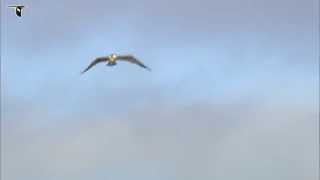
<point>147,68</point>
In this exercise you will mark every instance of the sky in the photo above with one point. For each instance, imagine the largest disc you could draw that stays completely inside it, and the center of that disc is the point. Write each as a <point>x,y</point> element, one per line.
<point>233,92</point>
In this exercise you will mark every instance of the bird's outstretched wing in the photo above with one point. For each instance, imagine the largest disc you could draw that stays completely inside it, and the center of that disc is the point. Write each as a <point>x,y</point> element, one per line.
<point>93,63</point>
<point>16,6</point>
<point>133,60</point>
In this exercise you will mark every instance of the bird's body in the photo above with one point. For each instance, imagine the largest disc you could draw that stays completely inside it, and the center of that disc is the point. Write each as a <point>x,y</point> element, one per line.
<point>112,59</point>
<point>18,9</point>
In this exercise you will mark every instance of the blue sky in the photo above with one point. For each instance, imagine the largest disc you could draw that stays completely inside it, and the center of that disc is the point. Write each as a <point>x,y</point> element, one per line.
<point>233,91</point>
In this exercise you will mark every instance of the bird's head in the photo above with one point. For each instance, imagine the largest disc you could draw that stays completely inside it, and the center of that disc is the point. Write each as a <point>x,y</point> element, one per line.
<point>113,57</point>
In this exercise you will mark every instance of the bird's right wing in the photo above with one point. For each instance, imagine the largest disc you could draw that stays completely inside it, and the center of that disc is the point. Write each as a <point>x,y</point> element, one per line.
<point>96,61</point>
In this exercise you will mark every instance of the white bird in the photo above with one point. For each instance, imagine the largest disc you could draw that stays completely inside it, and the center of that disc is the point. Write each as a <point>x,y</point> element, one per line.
<point>18,9</point>
<point>111,61</point>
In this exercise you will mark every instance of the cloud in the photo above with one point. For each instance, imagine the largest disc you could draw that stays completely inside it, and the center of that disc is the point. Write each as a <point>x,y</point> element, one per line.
<point>251,140</point>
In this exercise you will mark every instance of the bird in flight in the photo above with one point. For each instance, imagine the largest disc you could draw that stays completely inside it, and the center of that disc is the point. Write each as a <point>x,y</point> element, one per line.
<point>18,9</point>
<point>112,59</point>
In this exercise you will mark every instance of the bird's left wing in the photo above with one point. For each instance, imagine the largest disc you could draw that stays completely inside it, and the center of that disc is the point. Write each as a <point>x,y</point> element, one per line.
<point>133,60</point>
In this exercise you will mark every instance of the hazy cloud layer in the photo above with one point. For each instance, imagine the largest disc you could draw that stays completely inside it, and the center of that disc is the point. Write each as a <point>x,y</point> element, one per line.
<point>206,141</point>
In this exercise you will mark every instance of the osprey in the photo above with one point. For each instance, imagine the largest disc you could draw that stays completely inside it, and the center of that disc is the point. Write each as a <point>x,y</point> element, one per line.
<point>18,9</point>
<point>111,61</point>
